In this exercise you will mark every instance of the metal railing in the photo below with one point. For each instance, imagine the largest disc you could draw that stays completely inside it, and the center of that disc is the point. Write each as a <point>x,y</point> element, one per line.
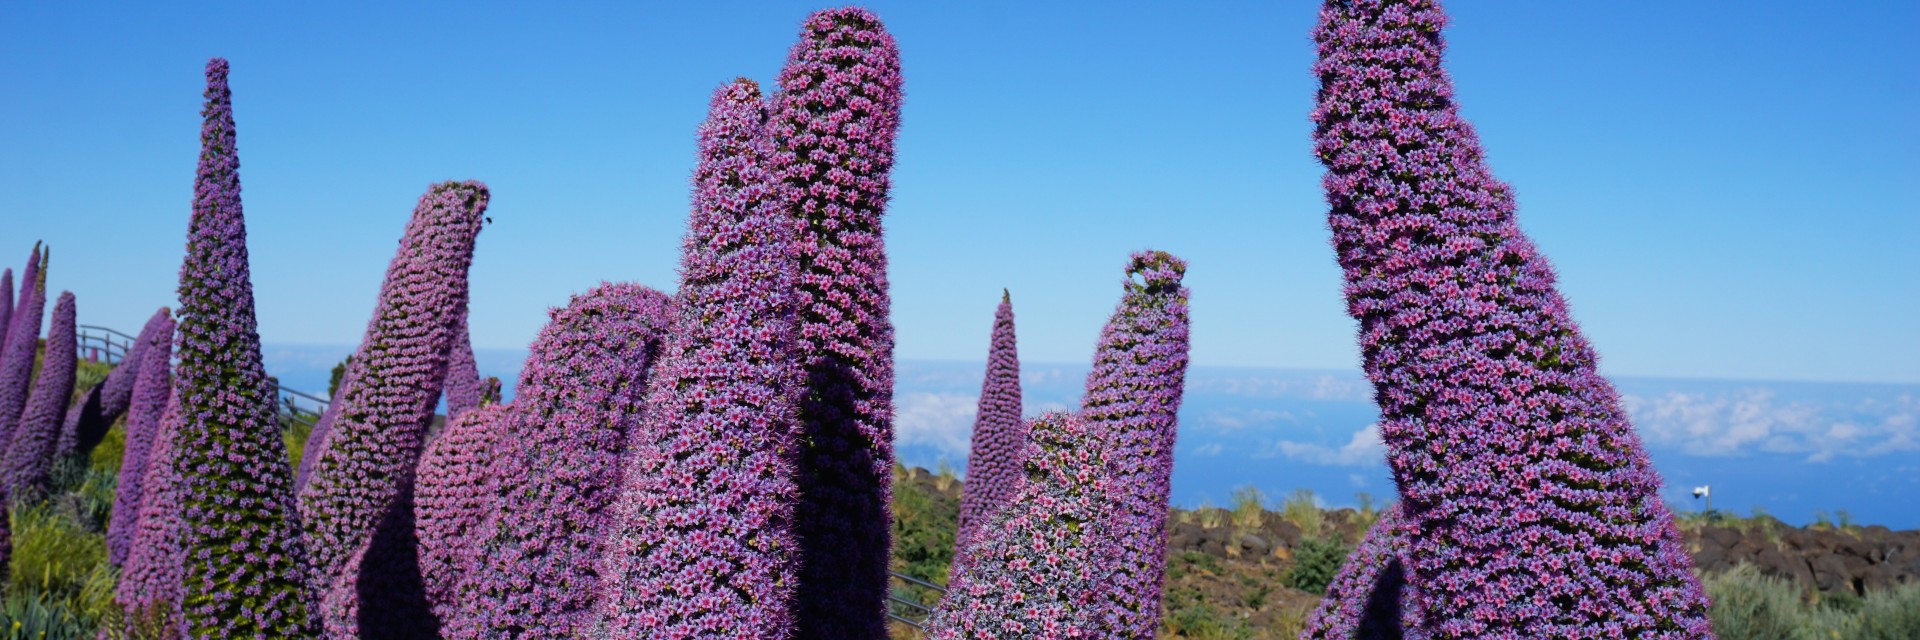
<point>299,406</point>
<point>905,610</point>
<point>103,344</point>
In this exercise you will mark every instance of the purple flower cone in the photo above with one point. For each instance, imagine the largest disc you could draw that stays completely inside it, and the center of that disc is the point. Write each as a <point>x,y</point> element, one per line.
<point>23,339</point>
<point>833,126</point>
<point>704,544</point>
<point>580,395</point>
<point>1133,399</point>
<point>994,467</point>
<point>380,422</point>
<point>1532,506</point>
<point>244,573</point>
<point>29,456</point>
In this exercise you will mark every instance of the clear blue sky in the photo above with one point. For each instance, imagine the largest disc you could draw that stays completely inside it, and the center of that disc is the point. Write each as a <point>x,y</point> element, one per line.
<point>1726,188</point>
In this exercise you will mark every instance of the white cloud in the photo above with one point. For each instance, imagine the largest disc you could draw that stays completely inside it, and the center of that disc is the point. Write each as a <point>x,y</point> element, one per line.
<point>1739,422</point>
<point>1209,450</point>
<point>1364,448</point>
<point>1235,419</point>
<point>943,421</point>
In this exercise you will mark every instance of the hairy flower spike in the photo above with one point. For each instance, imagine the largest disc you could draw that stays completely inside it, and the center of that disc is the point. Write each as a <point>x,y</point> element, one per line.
<point>704,543</point>
<point>580,395</point>
<point>1532,505</point>
<point>1370,598</point>
<point>457,487</point>
<point>244,573</point>
<point>150,587</point>
<point>1036,571</point>
<point>994,467</point>
<point>23,339</point>
<point>1133,398</point>
<point>150,393</point>
<point>833,126</point>
<point>29,455</point>
<point>388,395</point>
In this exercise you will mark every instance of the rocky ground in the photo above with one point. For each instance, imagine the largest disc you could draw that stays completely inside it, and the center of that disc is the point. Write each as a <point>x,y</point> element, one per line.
<point>1253,571</point>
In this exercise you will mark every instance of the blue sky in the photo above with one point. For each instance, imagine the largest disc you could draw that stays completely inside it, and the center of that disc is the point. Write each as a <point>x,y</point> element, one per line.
<point>1724,187</point>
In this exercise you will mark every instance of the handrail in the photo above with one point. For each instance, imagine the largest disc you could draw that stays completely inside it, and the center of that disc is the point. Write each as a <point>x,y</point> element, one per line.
<point>102,339</point>
<point>913,607</point>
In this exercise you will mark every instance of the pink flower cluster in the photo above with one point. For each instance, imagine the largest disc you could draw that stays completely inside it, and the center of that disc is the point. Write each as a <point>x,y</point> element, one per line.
<point>1133,399</point>
<point>994,467</point>
<point>387,402</point>
<point>703,542</point>
<point>28,461</point>
<point>244,573</point>
<point>580,395</point>
<point>833,126</point>
<point>1037,568</point>
<point>151,390</point>
<point>1532,505</point>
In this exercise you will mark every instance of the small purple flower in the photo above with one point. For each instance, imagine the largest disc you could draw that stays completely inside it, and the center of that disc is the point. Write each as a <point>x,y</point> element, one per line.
<point>150,587</point>
<point>463,387</point>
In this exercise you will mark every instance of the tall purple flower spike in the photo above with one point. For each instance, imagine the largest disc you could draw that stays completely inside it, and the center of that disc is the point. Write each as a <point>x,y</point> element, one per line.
<point>1036,568</point>
<point>580,396</point>
<point>150,587</point>
<point>463,388</point>
<point>150,394</point>
<point>118,387</point>
<point>1133,399</point>
<point>833,126</point>
<point>1533,507</point>
<point>23,339</point>
<point>994,467</point>
<point>380,420</point>
<point>244,573</point>
<point>703,544</point>
<point>29,456</point>
<point>1369,599</point>
<point>458,481</point>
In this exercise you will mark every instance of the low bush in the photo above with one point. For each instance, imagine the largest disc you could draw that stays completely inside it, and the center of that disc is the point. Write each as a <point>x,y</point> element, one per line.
<point>1315,561</point>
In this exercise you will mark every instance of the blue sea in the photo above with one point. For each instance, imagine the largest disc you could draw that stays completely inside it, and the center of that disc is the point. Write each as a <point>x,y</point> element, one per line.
<point>1791,449</point>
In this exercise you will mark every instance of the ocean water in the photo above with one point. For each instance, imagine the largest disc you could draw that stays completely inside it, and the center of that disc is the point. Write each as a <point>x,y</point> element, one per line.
<point>1793,449</point>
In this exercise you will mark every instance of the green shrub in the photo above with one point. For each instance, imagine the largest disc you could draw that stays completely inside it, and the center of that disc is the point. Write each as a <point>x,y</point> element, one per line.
<point>32,616</point>
<point>1315,562</point>
<point>1747,604</point>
